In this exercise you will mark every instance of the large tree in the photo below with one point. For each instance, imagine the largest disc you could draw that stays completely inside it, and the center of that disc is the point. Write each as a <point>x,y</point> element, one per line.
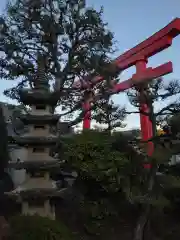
<point>154,93</point>
<point>72,37</point>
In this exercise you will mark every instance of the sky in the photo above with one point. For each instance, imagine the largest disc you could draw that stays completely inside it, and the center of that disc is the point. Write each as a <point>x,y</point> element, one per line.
<point>131,22</point>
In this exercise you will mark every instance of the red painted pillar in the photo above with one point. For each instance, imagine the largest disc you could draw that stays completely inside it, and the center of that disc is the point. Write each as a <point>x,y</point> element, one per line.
<point>146,124</point>
<point>86,107</point>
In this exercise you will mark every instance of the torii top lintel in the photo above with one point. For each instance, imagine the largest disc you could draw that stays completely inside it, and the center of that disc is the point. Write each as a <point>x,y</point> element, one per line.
<point>149,47</point>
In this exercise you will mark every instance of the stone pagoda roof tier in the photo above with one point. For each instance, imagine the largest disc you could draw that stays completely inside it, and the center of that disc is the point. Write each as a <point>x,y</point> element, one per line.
<point>33,165</point>
<point>26,141</point>
<point>38,192</point>
<point>39,119</point>
<point>38,96</point>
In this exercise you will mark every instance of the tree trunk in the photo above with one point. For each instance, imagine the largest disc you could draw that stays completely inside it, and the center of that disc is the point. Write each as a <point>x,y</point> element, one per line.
<point>148,234</point>
<point>141,223</point>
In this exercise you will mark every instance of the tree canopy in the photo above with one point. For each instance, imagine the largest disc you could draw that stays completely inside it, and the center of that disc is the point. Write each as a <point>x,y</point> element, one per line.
<point>154,93</point>
<point>72,38</point>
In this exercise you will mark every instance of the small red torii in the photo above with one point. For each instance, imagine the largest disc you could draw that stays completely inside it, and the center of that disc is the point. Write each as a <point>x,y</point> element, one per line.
<point>138,57</point>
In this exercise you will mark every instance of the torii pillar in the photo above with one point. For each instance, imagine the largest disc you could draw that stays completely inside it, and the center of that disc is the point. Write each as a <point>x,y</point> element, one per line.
<point>145,121</point>
<point>87,109</point>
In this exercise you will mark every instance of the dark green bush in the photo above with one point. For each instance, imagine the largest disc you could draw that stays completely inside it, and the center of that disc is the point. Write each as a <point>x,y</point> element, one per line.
<point>38,228</point>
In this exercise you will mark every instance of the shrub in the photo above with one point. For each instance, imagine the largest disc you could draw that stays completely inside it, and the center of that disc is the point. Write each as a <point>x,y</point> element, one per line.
<point>38,228</point>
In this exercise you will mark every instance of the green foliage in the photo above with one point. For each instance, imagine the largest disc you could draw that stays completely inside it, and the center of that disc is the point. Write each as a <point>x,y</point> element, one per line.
<point>91,154</point>
<point>118,166</point>
<point>155,92</point>
<point>36,227</point>
<point>109,114</point>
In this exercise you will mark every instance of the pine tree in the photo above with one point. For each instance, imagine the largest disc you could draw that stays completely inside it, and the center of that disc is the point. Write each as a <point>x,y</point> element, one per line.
<point>72,37</point>
<point>109,114</point>
<point>156,92</point>
<point>151,193</point>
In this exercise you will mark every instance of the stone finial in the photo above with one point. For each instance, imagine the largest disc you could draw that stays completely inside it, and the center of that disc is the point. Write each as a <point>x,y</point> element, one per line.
<point>41,81</point>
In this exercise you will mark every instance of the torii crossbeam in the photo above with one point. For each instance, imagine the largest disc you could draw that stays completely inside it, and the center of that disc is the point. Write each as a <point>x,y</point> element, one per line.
<point>138,57</point>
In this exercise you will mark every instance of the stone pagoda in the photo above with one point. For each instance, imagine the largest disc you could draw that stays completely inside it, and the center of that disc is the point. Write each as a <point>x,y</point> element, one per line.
<point>37,192</point>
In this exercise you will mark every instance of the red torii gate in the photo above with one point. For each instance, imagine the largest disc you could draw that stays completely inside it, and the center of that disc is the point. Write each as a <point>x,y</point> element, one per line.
<point>138,57</point>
